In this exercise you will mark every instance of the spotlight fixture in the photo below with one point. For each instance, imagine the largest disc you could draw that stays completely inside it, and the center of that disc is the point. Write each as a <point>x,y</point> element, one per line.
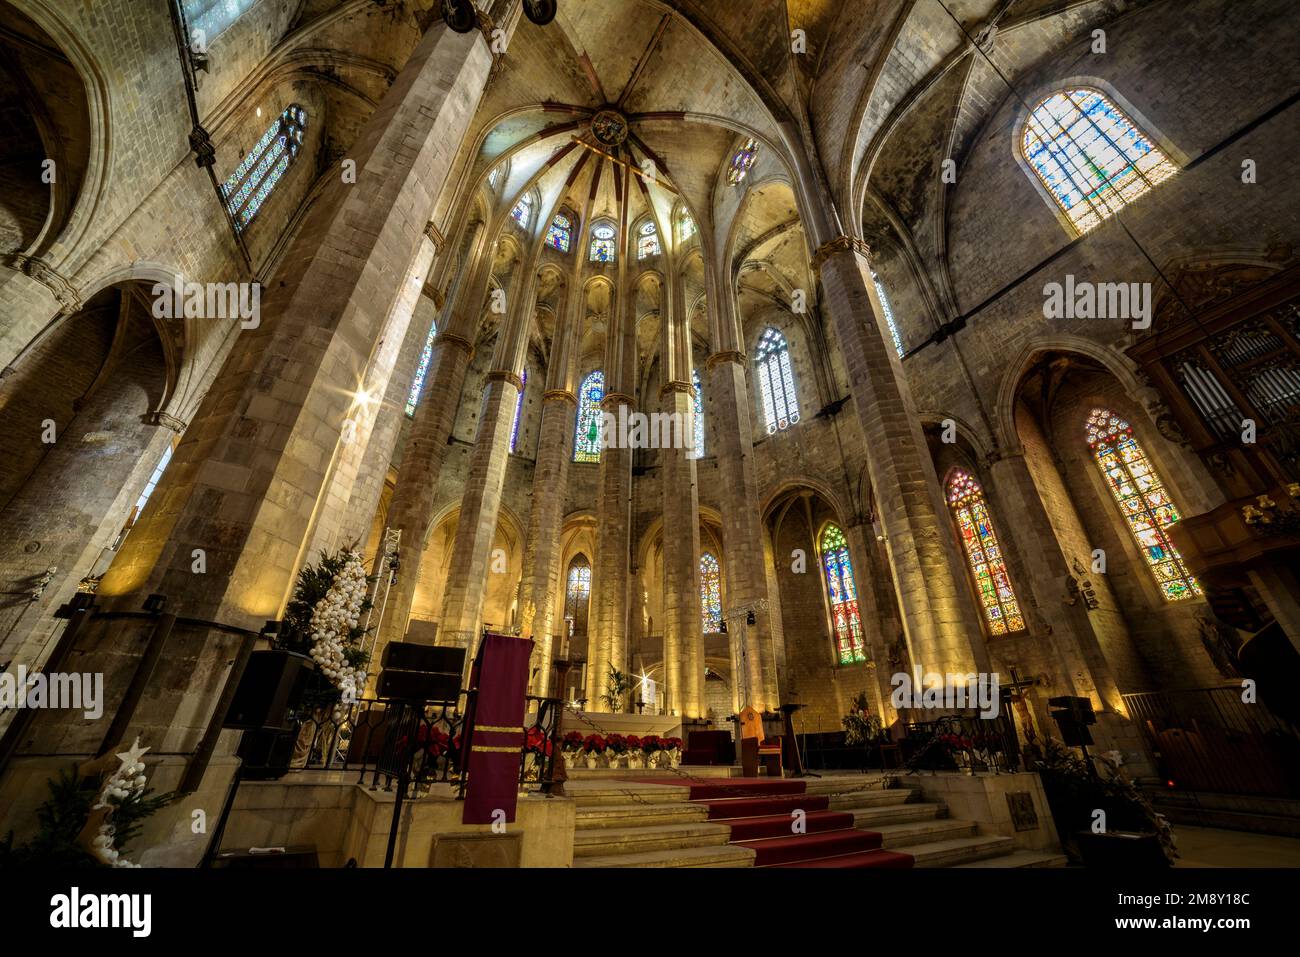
<point>271,628</point>
<point>541,12</point>
<point>722,628</point>
<point>749,618</point>
<point>460,15</point>
<point>154,604</point>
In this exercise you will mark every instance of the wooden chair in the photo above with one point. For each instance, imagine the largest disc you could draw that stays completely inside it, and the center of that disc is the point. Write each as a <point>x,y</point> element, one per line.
<point>755,749</point>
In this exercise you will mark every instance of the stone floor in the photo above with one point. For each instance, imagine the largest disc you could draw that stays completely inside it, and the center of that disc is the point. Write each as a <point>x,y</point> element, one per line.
<point>1215,847</point>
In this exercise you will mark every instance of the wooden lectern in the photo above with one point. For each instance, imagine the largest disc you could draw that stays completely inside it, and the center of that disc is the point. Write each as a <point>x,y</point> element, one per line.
<point>754,748</point>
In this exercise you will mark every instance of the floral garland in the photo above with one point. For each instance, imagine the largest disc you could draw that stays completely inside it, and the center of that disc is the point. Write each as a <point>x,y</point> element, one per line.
<point>333,627</point>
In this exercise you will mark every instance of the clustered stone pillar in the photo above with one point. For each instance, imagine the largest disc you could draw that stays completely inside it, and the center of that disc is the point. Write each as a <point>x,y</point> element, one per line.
<point>540,579</point>
<point>683,628</point>
<point>938,616</point>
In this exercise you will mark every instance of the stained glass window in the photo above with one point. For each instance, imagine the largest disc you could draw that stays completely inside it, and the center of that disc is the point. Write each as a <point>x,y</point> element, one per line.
<point>685,226</point>
<point>984,554</point>
<point>523,210</point>
<point>212,17</point>
<point>647,243</point>
<point>422,370</point>
<point>698,452</point>
<point>843,593</point>
<point>586,439</point>
<point>602,244</point>
<point>246,189</point>
<point>741,162</point>
<point>1142,499</point>
<point>776,382</point>
<point>577,594</point>
<point>559,233</point>
<point>889,314</point>
<point>519,408</point>
<point>1090,156</point>
<point>711,593</point>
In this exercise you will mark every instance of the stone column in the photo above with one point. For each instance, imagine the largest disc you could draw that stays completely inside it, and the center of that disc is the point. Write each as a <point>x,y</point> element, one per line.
<point>939,616</point>
<point>1080,663</point>
<point>539,584</point>
<point>683,627</point>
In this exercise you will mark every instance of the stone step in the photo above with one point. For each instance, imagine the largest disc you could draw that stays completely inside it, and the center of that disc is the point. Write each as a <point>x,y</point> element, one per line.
<point>871,818</point>
<point>960,850</point>
<point>607,841</point>
<point>593,816</point>
<point>722,855</point>
<point>1021,859</point>
<point>850,800</point>
<point>904,836</point>
<point>585,794</point>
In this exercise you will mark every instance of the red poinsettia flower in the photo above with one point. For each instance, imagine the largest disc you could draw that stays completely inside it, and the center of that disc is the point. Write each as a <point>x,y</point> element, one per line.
<point>617,743</point>
<point>594,743</point>
<point>651,743</point>
<point>572,741</point>
<point>632,742</point>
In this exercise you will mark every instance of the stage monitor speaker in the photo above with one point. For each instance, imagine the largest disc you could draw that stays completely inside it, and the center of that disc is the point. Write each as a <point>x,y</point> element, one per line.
<point>418,685</point>
<point>407,656</point>
<point>271,687</point>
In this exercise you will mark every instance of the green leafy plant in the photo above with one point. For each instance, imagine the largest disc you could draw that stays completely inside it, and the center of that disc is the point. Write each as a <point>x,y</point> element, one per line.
<point>861,727</point>
<point>616,686</point>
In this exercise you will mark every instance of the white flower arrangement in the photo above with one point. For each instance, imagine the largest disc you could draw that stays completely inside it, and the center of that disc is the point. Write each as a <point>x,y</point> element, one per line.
<point>332,624</point>
<point>125,784</point>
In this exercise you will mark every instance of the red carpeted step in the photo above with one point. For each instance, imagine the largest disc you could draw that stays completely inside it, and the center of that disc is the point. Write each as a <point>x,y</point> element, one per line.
<point>882,859</point>
<point>745,787</point>
<point>779,825</point>
<point>806,847</point>
<point>720,809</point>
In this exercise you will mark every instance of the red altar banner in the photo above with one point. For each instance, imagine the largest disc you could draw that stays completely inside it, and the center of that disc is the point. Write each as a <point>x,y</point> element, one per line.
<point>496,741</point>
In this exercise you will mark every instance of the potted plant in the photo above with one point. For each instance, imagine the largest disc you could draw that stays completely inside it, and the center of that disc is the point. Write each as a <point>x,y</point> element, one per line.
<point>651,745</point>
<point>615,748</point>
<point>537,748</point>
<point>635,757</point>
<point>593,746</point>
<point>616,686</point>
<point>673,747</point>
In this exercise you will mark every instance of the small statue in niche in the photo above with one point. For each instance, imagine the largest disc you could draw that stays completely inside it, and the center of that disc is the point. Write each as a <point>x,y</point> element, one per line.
<point>1081,587</point>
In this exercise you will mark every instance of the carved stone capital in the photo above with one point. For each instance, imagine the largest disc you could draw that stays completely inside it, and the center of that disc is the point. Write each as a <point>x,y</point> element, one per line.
<point>451,339</point>
<point>718,358</point>
<point>504,375</point>
<point>677,386</point>
<point>837,245</point>
<point>617,398</point>
<point>435,235</point>
<point>166,421</point>
<point>559,395</point>
<point>51,279</point>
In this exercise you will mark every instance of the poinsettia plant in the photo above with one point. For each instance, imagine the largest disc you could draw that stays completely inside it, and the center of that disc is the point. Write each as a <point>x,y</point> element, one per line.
<point>537,742</point>
<point>651,743</point>
<point>632,742</point>
<point>616,743</point>
<point>594,744</point>
<point>671,744</point>
<point>572,741</point>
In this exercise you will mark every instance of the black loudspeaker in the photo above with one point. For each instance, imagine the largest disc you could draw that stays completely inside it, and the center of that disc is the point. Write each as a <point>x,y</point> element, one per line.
<point>418,685</point>
<point>266,753</point>
<point>1072,716</point>
<point>272,686</point>
<point>407,656</point>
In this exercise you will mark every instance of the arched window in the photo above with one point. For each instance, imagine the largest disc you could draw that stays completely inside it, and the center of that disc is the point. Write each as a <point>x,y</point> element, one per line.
<point>843,592</point>
<point>493,177</point>
<point>246,189</point>
<point>741,162</point>
<point>685,225</point>
<point>984,554</point>
<point>211,17</point>
<point>889,314</point>
<point>523,210</point>
<point>602,244</point>
<point>647,242</point>
<point>698,452</point>
<point>586,439</point>
<point>1090,156</point>
<point>776,381</point>
<point>417,384</point>
<point>711,593</point>
<point>560,232</point>
<point>577,594</point>
<point>1143,501</point>
<point>519,408</point>
<point>152,484</point>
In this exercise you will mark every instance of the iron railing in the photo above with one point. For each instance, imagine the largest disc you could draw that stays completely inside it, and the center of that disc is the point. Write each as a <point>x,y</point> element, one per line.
<point>961,742</point>
<point>1209,739</point>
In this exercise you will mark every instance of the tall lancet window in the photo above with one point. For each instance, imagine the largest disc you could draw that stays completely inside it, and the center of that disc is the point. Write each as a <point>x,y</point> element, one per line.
<point>417,384</point>
<point>247,188</point>
<point>211,17</point>
<point>843,593</point>
<point>602,244</point>
<point>776,381</point>
<point>698,425</point>
<point>711,593</point>
<point>586,438</point>
<point>984,554</point>
<point>560,232</point>
<point>519,409</point>
<point>577,594</point>
<point>889,314</point>
<point>1143,501</point>
<point>1090,157</point>
<point>647,241</point>
<point>523,210</point>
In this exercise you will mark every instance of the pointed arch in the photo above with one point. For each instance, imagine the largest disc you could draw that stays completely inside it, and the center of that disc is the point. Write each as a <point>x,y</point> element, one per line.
<point>1143,501</point>
<point>988,569</point>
